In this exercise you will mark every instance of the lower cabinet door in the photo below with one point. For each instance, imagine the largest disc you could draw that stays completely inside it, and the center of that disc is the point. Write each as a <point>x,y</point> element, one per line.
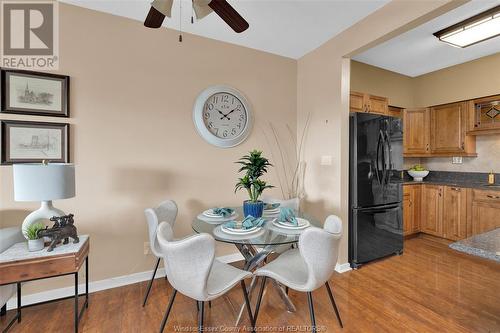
<point>454,213</point>
<point>407,213</point>
<point>432,209</point>
<point>485,216</point>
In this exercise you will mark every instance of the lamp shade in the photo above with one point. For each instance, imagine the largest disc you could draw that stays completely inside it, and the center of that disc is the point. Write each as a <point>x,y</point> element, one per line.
<point>39,182</point>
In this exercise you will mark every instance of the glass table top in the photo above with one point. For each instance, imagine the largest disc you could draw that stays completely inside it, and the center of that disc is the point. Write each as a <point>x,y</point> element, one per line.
<point>270,234</point>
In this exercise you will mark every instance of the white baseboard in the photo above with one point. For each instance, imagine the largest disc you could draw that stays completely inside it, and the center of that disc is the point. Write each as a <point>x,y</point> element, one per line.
<point>119,281</point>
<point>342,268</point>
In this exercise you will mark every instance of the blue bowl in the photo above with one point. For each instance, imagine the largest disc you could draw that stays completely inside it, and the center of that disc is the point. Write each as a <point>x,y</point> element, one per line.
<point>253,208</point>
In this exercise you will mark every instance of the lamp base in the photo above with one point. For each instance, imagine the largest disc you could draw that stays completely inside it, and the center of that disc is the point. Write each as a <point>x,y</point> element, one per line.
<point>45,212</point>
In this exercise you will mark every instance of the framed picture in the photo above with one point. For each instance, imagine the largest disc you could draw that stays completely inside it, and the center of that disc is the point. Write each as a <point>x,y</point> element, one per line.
<point>34,93</point>
<point>33,142</point>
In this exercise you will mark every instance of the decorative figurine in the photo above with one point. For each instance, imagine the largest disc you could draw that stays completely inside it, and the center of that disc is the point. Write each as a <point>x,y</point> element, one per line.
<point>63,228</point>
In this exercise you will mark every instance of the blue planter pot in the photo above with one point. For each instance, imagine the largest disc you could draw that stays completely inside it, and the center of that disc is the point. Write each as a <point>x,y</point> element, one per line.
<point>253,208</point>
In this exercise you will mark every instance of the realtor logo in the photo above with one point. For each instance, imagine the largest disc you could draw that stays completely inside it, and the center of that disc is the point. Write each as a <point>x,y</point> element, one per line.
<point>29,37</point>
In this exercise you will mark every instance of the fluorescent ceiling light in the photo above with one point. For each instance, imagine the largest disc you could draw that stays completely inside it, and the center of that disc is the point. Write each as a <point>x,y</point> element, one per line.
<point>473,30</point>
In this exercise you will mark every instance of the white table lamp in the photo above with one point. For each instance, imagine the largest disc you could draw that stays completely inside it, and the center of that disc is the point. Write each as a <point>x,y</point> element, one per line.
<point>43,182</point>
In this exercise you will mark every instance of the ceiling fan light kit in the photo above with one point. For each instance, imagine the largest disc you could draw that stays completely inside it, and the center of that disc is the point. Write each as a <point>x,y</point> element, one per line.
<point>162,8</point>
<point>476,29</point>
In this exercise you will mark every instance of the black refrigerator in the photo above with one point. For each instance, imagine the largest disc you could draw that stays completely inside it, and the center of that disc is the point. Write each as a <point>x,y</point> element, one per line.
<point>375,187</point>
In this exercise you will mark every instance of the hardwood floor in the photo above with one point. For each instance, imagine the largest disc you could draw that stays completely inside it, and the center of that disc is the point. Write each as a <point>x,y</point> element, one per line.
<point>430,288</point>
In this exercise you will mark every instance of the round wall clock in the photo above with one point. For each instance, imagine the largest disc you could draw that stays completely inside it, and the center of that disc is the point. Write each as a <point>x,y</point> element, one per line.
<point>222,116</point>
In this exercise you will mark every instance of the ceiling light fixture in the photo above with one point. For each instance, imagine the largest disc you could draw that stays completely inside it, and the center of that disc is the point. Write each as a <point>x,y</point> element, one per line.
<point>474,30</point>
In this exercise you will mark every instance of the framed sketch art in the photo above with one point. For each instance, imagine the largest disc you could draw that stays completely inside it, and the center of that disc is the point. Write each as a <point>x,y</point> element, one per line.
<point>34,93</point>
<point>32,142</point>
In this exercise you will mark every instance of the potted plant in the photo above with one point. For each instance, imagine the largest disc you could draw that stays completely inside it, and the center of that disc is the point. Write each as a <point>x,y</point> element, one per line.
<point>255,166</point>
<point>35,243</point>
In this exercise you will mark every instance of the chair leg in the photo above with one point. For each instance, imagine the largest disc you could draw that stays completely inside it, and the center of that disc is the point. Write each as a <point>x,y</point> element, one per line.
<point>334,304</point>
<point>286,290</point>
<point>210,304</point>
<point>311,311</point>
<point>248,306</point>
<point>3,310</point>
<point>150,284</point>
<point>259,300</point>
<point>201,315</point>
<point>167,313</point>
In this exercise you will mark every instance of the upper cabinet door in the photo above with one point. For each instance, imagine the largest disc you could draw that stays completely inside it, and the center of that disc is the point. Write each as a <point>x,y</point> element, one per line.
<point>416,132</point>
<point>378,104</point>
<point>485,115</point>
<point>448,127</point>
<point>357,102</point>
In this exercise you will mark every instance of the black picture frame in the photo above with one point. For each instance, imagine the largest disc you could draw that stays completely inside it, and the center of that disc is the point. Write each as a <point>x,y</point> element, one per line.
<point>5,140</point>
<point>32,97</point>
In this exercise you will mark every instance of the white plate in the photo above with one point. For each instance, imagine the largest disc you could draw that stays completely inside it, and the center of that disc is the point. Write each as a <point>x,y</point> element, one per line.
<point>210,213</point>
<point>240,233</point>
<point>216,220</point>
<point>302,224</point>
<point>240,230</point>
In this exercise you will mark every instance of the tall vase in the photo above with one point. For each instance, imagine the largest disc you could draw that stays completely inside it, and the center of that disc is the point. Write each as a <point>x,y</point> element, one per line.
<point>253,208</point>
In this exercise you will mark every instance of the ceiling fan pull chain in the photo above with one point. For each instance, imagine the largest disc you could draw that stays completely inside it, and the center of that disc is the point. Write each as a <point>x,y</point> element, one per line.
<point>192,10</point>
<point>180,21</point>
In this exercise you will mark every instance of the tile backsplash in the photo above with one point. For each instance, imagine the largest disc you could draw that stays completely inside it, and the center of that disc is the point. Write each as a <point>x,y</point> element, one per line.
<point>488,158</point>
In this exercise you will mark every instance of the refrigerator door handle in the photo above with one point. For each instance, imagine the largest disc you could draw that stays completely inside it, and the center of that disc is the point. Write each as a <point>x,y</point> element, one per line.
<point>385,208</point>
<point>377,170</point>
<point>389,159</point>
<point>383,144</point>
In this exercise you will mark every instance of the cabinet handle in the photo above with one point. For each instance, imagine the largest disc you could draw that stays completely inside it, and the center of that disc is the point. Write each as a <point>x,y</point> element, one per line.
<point>492,196</point>
<point>427,147</point>
<point>411,203</point>
<point>463,146</point>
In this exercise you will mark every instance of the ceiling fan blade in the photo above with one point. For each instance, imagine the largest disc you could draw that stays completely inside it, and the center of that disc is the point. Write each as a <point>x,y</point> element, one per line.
<point>229,15</point>
<point>159,9</point>
<point>201,8</point>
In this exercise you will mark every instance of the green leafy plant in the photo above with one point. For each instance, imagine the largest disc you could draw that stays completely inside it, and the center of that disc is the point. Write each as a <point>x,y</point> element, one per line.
<point>32,231</point>
<point>255,166</point>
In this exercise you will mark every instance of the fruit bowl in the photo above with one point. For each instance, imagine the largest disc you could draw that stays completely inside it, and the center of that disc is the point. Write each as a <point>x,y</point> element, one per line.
<point>418,176</point>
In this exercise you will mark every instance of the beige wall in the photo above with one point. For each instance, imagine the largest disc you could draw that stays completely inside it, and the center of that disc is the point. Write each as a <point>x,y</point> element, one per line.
<point>461,82</point>
<point>377,81</point>
<point>133,139</point>
<point>469,80</point>
<point>323,90</point>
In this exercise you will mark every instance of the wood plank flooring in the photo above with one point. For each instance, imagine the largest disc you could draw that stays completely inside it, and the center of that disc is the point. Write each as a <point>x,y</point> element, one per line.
<point>430,288</point>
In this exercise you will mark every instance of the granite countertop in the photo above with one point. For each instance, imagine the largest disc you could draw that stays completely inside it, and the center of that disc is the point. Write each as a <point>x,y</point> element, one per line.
<point>467,184</point>
<point>459,179</point>
<point>486,245</point>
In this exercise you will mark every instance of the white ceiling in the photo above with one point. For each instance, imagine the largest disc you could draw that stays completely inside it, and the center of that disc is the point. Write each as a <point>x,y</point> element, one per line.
<point>290,28</point>
<point>417,51</point>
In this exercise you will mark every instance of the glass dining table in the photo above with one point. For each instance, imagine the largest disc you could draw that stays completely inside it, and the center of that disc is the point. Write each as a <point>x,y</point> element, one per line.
<point>256,247</point>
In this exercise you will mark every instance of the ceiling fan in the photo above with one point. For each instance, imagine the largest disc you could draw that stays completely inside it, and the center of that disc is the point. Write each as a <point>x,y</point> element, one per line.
<point>161,8</point>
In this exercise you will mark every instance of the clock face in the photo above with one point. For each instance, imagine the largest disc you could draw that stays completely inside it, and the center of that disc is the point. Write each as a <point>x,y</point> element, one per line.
<point>224,115</point>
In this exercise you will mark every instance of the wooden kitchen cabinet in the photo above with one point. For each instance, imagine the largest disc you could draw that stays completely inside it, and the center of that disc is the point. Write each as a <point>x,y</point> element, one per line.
<point>357,102</point>
<point>454,213</point>
<point>448,127</point>
<point>411,209</point>
<point>432,210</point>
<point>416,124</point>
<point>361,102</point>
<point>394,111</point>
<point>484,115</point>
<point>485,211</point>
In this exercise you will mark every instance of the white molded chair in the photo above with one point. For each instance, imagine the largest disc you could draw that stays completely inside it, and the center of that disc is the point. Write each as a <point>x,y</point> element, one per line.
<point>193,271</point>
<point>8,237</point>
<point>308,267</point>
<point>165,212</point>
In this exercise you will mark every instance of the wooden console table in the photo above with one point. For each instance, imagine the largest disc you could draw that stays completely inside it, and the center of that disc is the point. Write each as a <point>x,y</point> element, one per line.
<point>18,265</point>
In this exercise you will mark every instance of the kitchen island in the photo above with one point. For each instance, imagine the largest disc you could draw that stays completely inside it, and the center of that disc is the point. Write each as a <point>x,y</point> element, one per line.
<point>485,245</point>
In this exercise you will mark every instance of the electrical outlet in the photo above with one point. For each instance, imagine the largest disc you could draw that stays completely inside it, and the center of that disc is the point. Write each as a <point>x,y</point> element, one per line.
<point>147,248</point>
<point>457,160</point>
